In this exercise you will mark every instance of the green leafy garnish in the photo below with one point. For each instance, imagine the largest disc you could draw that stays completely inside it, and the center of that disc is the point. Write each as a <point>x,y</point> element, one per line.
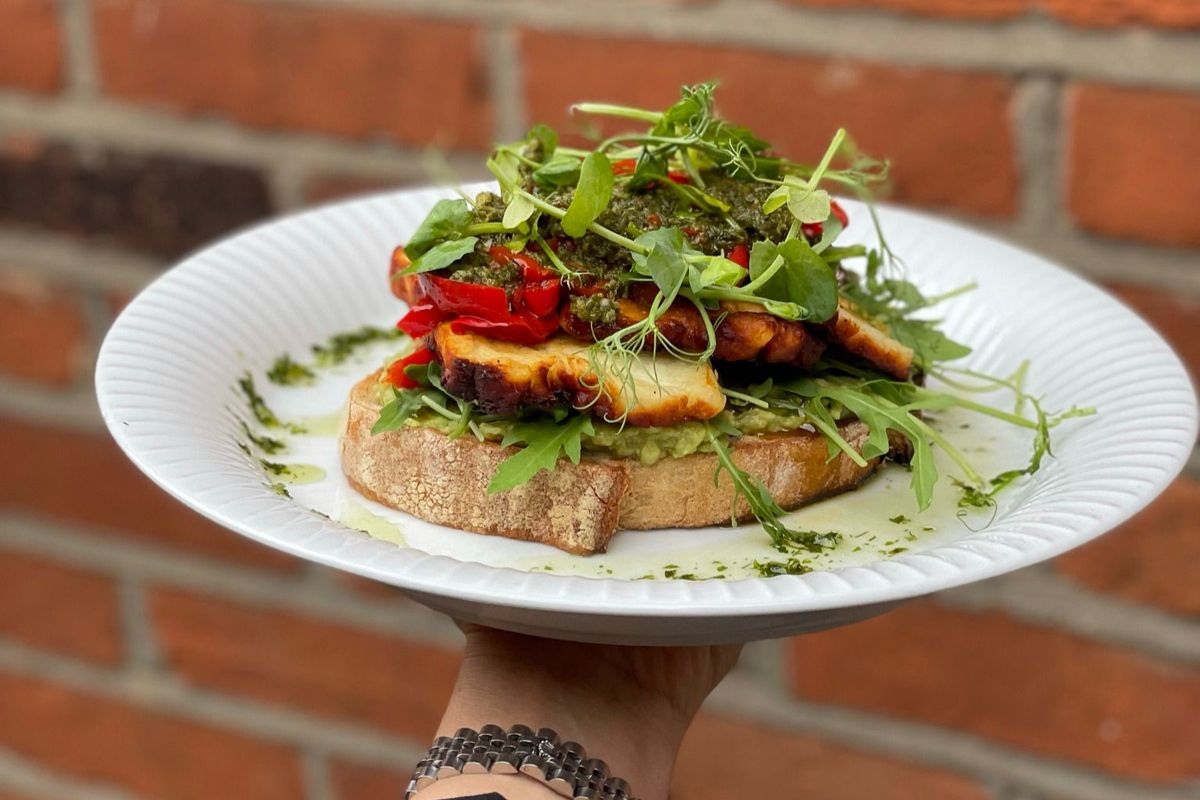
<point>592,194</point>
<point>441,255</point>
<point>448,219</point>
<point>545,441</point>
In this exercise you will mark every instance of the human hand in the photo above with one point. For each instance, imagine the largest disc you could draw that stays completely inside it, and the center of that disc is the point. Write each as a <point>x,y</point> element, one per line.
<point>627,705</point>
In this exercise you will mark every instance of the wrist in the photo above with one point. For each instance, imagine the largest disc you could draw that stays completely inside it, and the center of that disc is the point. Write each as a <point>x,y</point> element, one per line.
<point>597,704</point>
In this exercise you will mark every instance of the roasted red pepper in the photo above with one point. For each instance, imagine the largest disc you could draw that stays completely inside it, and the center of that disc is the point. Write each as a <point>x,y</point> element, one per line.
<point>519,328</point>
<point>540,290</point>
<point>460,297</point>
<point>531,268</point>
<point>421,319</point>
<point>627,166</point>
<point>740,255</point>
<point>624,166</point>
<point>395,374</point>
<point>539,298</point>
<point>814,230</point>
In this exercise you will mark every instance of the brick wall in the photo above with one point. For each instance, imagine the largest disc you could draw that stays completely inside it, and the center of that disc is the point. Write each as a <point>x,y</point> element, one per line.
<point>146,653</point>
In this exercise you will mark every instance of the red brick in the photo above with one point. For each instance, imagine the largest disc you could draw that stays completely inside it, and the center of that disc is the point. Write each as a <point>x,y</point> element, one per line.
<point>948,134</point>
<point>720,752</point>
<point>358,782</point>
<point>1134,163</point>
<point>82,477</point>
<point>955,9</point>
<point>30,45</point>
<point>44,335</point>
<point>1029,687</point>
<point>332,70</point>
<point>322,667</point>
<point>1154,558</point>
<point>164,204</point>
<point>101,739</point>
<point>1109,13</point>
<point>1176,316</point>
<point>56,607</point>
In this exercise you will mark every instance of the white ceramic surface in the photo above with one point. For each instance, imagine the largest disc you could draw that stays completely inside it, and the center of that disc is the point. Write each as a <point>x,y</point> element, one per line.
<point>166,382</point>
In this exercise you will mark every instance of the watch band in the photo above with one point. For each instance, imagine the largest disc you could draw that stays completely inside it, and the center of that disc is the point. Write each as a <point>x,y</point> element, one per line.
<point>563,766</point>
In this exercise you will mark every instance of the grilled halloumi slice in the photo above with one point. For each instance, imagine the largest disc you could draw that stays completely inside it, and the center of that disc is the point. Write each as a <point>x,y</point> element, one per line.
<point>502,378</point>
<point>855,335</point>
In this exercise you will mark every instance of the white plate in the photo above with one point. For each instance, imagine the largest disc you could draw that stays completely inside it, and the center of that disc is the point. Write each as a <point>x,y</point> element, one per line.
<point>166,381</point>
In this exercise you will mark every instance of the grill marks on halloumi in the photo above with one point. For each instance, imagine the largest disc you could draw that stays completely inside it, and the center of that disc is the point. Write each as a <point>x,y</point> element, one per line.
<point>503,378</point>
<point>857,336</point>
<point>744,332</point>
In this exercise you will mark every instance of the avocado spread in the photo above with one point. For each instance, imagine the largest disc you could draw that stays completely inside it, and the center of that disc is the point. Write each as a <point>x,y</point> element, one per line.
<point>647,445</point>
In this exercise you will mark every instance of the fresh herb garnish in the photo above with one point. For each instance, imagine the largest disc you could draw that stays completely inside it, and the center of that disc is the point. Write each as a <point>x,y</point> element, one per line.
<point>544,441</point>
<point>286,372</point>
<point>258,407</point>
<point>341,346</point>
<point>267,444</point>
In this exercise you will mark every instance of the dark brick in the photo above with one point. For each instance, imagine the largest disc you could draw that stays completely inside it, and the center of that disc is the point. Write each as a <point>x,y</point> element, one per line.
<point>166,205</point>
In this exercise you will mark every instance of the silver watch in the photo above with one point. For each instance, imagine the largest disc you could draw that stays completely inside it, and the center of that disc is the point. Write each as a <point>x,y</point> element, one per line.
<point>563,766</point>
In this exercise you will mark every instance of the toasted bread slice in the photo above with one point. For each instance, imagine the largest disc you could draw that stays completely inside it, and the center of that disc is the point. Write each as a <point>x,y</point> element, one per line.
<point>502,378</point>
<point>578,507</point>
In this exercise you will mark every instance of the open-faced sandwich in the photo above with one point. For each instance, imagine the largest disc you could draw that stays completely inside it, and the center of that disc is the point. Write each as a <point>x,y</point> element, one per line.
<point>660,331</point>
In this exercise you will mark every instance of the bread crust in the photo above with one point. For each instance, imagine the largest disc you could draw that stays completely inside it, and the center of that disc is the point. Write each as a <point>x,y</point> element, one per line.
<point>578,507</point>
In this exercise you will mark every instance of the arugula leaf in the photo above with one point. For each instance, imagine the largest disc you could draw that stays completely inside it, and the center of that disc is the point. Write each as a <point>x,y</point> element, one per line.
<point>401,408</point>
<point>592,194</point>
<point>544,441</point>
<point>441,255</point>
<point>928,343</point>
<point>752,490</point>
<point>447,219</point>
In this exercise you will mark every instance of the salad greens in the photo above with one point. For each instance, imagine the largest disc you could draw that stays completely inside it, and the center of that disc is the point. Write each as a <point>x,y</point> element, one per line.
<point>686,150</point>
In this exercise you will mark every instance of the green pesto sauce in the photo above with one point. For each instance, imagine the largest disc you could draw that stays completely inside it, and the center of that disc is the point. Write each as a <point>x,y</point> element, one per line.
<point>267,444</point>
<point>343,345</point>
<point>293,473</point>
<point>258,407</point>
<point>598,309</point>
<point>287,372</point>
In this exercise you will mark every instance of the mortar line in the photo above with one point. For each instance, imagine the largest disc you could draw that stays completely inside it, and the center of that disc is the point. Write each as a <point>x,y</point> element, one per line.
<point>1037,595</point>
<point>1031,43</point>
<point>1036,110</point>
<point>28,777</point>
<point>319,599</point>
<point>171,696</point>
<point>79,51</point>
<point>504,83</point>
<point>142,654</point>
<point>317,782</point>
<point>74,408</point>
<point>951,749</point>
